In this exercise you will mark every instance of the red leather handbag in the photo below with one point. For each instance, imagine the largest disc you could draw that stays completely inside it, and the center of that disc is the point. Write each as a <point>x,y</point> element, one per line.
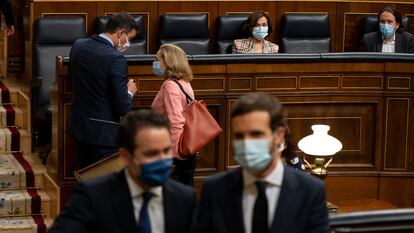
<point>200,127</point>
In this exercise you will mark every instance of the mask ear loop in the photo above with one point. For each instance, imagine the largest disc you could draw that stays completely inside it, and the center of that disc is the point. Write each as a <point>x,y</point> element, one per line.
<point>281,147</point>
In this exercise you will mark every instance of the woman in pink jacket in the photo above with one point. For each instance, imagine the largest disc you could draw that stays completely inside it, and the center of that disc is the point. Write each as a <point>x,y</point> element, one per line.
<point>172,64</point>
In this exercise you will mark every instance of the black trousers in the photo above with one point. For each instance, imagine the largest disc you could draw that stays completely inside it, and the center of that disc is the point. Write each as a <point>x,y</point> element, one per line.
<point>90,153</point>
<point>184,170</point>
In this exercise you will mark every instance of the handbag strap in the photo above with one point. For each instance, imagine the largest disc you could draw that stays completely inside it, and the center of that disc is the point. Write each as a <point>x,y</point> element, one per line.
<point>187,96</point>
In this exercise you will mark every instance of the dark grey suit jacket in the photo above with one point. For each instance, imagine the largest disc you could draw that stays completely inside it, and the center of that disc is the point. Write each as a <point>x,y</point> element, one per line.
<point>104,205</point>
<point>301,207</point>
<point>372,42</point>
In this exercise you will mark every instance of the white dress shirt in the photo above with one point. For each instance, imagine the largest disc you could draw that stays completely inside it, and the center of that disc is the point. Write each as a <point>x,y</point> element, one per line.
<point>155,205</point>
<point>274,183</point>
<point>388,47</point>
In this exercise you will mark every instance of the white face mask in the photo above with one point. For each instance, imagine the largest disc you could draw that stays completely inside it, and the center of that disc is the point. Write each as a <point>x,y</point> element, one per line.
<point>122,48</point>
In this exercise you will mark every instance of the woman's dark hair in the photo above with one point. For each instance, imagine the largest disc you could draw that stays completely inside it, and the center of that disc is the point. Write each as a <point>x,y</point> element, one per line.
<point>252,21</point>
<point>136,120</point>
<point>395,13</point>
<point>258,101</point>
<point>121,20</point>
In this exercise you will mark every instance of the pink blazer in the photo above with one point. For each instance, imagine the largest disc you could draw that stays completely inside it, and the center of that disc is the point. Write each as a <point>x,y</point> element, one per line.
<point>170,101</point>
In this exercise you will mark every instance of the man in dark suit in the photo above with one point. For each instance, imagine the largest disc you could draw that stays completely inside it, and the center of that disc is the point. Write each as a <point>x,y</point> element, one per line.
<point>391,37</point>
<point>263,195</point>
<point>5,5</point>
<point>101,90</point>
<point>141,198</point>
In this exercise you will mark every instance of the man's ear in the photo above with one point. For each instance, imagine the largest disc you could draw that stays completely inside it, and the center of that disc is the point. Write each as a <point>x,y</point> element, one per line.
<point>280,133</point>
<point>125,155</point>
<point>397,26</point>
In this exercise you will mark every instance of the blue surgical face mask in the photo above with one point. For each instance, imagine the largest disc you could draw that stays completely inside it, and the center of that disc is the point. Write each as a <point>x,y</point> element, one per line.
<point>387,30</point>
<point>260,32</point>
<point>252,154</point>
<point>155,173</point>
<point>156,69</point>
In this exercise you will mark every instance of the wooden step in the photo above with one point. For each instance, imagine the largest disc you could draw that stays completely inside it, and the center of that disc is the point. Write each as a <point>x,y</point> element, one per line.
<point>25,141</point>
<point>13,175</point>
<point>22,102</point>
<point>19,118</point>
<point>21,224</point>
<point>19,202</point>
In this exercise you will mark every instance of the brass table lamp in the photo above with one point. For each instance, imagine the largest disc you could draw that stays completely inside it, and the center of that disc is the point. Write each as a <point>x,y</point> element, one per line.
<point>323,147</point>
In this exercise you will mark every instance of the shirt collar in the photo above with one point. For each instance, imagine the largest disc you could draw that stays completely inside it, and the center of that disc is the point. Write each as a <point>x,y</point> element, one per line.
<point>275,178</point>
<point>106,38</point>
<point>137,190</point>
<point>392,42</point>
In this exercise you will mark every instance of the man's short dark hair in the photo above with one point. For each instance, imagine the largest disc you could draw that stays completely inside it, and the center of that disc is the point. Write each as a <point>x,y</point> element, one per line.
<point>258,101</point>
<point>136,120</point>
<point>395,13</point>
<point>251,22</point>
<point>121,20</point>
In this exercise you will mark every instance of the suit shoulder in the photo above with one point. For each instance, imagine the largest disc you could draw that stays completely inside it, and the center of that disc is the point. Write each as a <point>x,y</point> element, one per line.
<point>101,183</point>
<point>180,187</point>
<point>407,35</point>
<point>306,180</point>
<point>222,178</point>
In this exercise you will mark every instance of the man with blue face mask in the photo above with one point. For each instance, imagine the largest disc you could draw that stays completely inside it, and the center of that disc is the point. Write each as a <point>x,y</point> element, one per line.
<point>391,37</point>
<point>264,195</point>
<point>142,197</point>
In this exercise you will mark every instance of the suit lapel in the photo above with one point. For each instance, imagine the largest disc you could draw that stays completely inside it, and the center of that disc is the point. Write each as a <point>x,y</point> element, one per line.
<point>288,202</point>
<point>398,43</point>
<point>170,208</point>
<point>378,43</point>
<point>122,204</point>
<point>234,214</point>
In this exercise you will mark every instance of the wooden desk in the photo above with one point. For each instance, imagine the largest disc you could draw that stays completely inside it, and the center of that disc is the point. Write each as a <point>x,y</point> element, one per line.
<point>363,205</point>
<point>368,104</point>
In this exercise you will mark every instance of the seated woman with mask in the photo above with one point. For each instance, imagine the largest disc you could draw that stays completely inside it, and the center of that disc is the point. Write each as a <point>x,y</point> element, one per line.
<point>391,38</point>
<point>258,27</point>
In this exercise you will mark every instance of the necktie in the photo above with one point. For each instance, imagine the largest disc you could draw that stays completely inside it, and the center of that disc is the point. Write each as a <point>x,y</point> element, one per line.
<point>260,211</point>
<point>144,224</point>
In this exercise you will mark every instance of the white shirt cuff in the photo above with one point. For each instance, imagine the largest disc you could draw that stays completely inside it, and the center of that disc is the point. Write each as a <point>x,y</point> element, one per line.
<point>130,94</point>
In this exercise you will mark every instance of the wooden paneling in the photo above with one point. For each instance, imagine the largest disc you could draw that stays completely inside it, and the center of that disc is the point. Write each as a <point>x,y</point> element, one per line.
<point>397,190</point>
<point>280,83</point>
<point>366,112</point>
<point>397,133</point>
<point>63,9</point>
<point>318,82</point>
<point>399,83</point>
<point>340,188</point>
<point>352,122</point>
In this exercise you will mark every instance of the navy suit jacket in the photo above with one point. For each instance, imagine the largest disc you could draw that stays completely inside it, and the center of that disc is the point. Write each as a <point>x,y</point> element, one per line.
<point>99,76</point>
<point>301,207</point>
<point>372,42</point>
<point>104,205</point>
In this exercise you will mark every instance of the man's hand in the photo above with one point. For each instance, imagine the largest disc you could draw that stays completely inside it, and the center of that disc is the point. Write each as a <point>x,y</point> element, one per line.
<point>132,87</point>
<point>9,30</point>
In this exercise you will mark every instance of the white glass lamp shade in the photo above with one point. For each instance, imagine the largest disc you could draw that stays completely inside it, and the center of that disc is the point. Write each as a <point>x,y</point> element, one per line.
<point>320,143</point>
